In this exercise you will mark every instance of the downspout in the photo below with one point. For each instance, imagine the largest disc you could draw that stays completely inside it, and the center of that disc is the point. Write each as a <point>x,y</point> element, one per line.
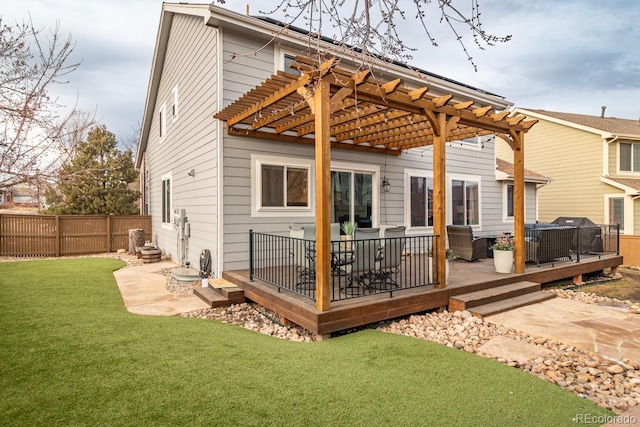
<point>219,157</point>
<point>538,187</point>
<point>605,155</point>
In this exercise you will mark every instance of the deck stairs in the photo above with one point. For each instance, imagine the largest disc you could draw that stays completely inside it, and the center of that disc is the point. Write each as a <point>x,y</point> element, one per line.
<point>499,299</point>
<point>220,293</point>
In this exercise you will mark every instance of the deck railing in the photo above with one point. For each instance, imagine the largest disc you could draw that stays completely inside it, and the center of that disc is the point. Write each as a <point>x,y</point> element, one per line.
<point>358,267</point>
<point>548,244</point>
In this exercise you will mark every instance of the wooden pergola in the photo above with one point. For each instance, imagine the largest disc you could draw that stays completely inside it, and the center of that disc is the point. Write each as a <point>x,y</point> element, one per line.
<point>335,108</point>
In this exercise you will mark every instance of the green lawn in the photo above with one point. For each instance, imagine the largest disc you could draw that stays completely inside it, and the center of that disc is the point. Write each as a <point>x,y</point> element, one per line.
<point>70,354</point>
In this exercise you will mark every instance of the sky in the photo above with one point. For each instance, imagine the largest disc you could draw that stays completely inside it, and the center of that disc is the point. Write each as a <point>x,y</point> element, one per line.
<point>572,56</point>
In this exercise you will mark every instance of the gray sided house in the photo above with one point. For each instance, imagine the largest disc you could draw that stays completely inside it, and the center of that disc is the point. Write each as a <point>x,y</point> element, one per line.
<point>206,58</point>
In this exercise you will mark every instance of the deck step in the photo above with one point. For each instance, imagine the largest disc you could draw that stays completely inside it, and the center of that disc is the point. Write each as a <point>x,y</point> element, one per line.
<point>221,297</point>
<point>511,303</point>
<point>473,299</point>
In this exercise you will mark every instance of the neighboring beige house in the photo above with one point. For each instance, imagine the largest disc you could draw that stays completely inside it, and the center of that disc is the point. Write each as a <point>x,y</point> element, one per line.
<point>594,162</point>
<point>13,193</point>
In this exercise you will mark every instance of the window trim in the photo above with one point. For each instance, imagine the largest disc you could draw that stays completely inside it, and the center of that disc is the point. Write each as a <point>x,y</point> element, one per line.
<point>257,210</point>
<point>449,208</point>
<point>408,174</point>
<point>174,104</point>
<point>505,202</point>
<point>162,122</point>
<point>627,211</point>
<point>279,54</point>
<point>476,146</point>
<point>619,153</point>
<point>166,225</point>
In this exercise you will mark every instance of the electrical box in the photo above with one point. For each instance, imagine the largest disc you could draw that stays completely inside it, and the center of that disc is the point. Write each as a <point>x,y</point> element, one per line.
<point>179,217</point>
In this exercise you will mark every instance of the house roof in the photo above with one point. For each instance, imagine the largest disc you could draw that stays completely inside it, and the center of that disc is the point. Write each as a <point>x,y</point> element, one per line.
<point>386,60</point>
<point>507,170</point>
<point>217,16</point>
<point>629,185</point>
<point>610,125</point>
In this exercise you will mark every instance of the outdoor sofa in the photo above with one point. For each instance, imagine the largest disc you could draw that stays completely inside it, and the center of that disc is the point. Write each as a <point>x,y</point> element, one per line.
<point>548,242</point>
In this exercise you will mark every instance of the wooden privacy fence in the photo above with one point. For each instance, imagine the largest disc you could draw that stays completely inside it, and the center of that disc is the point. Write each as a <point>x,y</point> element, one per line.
<point>59,235</point>
<point>630,249</point>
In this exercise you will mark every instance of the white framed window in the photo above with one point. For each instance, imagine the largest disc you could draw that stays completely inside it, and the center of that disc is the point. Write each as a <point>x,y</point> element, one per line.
<point>508,204</point>
<point>418,197</point>
<point>464,200</point>
<point>629,157</point>
<point>284,57</point>
<point>162,122</point>
<point>281,186</point>
<point>174,103</point>
<point>474,142</point>
<point>615,211</point>
<point>167,200</point>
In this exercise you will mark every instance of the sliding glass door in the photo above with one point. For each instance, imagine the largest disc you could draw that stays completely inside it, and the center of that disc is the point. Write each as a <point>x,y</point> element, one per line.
<point>352,197</point>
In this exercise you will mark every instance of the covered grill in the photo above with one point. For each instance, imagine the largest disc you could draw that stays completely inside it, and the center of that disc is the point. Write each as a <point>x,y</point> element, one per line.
<point>588,237</point>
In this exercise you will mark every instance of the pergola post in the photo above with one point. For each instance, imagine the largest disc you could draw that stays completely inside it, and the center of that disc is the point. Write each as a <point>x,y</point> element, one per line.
<point>518,200</point>
<point>442,125</point>
<point>320,105</point>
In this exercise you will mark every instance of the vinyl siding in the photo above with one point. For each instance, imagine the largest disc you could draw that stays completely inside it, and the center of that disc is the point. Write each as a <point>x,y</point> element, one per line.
<point>573,159</point>
<point>190,139</point>
<point>237,189</point>
<point>612,149</point>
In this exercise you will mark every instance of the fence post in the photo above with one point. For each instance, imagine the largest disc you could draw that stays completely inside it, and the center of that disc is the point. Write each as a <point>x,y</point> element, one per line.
<point>108,237</point>
<point>251,255</point>
<point>58,235</point>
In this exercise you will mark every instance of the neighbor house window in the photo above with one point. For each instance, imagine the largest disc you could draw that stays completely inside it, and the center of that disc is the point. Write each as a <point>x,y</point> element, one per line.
<point>465,201</point>
<point>629,157</point>
<point>419,198</point>
<point>166,200</point>
<point>162,122</point>
<point>174,103</point>
<point>616,212</point>
<point>280,185</point>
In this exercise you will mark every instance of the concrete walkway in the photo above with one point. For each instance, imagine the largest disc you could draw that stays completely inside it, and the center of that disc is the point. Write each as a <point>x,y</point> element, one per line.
<point>143,290</point>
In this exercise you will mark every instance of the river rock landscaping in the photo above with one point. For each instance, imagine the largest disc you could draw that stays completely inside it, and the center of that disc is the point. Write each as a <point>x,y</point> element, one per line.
<point>612,384</point>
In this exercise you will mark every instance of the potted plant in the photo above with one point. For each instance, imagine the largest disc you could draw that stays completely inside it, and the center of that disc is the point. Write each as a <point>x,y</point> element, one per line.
<point>451,258</point>
<point>503,253</point>
<point>349,229</point>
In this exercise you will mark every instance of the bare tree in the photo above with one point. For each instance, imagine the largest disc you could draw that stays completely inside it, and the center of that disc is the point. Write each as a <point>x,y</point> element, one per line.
<point>371,27</point>
<point>34,129</point>
<point>130,142</point>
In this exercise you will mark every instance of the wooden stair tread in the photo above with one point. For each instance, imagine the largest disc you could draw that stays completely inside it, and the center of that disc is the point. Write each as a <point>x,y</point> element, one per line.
<point>472,299</point>
<point>216,298</point>
<point>510,303</point>
<point>498,290</point>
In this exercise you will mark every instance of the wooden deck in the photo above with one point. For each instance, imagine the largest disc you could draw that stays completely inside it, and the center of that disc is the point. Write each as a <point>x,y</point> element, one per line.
<point>464,277</point>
